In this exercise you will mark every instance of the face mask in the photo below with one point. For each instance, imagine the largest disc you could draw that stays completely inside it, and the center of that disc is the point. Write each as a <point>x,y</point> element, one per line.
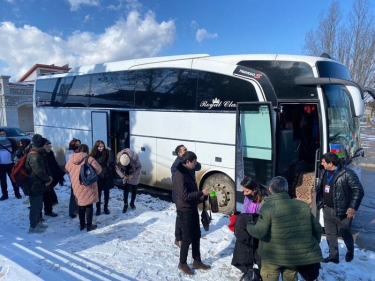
<point>2,138</point>
<point>250,196</point>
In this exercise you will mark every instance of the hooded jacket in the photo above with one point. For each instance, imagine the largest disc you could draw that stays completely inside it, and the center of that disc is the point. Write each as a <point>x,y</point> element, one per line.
<point>347,191</point>
<point>85,195</point>
<point>135,166</point>
<point>36,166</point>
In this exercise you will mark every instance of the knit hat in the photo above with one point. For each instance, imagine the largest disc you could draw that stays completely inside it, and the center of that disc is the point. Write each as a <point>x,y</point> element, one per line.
<point>38,141</point>
<point>47,142</point>
<point>124,160</point>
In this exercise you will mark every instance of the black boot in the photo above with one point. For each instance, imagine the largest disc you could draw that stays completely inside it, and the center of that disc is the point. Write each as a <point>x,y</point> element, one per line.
<point>89,215</point>
<point>125,209</point>
<point>81,214</point>
<point>106,200</point>
<point>98,208</point>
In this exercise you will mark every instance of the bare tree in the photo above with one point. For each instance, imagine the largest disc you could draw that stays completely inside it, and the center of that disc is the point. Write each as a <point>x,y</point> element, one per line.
<point>350,40</point>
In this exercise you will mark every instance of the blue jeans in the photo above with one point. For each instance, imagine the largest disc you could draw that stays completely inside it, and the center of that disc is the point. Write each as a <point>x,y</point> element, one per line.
<point>36,205</point>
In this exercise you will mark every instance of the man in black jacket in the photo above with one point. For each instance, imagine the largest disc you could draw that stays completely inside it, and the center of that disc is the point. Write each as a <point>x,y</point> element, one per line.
<point>339,193</point>
<point>187,197</point>
<point>180,150</point>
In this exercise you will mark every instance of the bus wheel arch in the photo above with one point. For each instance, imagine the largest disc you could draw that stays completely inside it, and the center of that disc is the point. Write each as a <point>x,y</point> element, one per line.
<point>225,190</point>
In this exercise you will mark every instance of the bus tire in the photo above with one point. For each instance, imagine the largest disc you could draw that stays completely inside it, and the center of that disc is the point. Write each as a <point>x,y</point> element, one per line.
<point>225,191</point>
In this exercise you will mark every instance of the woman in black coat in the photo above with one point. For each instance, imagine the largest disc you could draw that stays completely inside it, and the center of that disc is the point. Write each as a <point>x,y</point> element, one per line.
<point>104,157</point>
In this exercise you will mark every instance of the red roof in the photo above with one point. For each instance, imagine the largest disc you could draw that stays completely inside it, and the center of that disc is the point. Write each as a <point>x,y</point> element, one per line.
<point>52,67</point>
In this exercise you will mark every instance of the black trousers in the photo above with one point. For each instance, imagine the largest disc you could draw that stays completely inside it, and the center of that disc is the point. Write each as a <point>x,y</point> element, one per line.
<point>127,188</point>
<point>6,169</point>
<point>178,229</point>
<point>334,226</point>
<point>191,234</point>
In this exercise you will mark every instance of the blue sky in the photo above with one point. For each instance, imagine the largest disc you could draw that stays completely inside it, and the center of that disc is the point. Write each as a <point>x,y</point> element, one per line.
<point>81,32</point>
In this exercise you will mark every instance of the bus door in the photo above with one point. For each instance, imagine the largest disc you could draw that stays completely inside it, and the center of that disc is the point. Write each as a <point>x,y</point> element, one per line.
<point>255,144</point>
<point>99,121</point>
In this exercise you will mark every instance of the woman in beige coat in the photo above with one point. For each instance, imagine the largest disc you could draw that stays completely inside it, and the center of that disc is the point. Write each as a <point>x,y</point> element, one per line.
<point>84,195</point>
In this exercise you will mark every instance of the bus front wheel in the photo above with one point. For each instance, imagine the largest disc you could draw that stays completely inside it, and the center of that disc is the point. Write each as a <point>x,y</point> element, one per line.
<point>225,191</point>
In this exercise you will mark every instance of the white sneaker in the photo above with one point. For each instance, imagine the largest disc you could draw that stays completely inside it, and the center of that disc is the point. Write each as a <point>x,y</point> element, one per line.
<point>27,201</point>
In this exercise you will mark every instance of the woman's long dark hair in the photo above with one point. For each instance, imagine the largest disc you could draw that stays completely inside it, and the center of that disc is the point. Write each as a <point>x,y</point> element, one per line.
<point>259,190</point>
<point>103,158</point>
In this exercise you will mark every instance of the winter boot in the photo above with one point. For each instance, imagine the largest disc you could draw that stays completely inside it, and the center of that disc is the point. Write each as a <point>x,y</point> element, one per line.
<point>185,268</point>
<point>125,209</point>
<point>200,265</point>
<point>89,215</point>
<point>81,214</point>
<point>106,200</point>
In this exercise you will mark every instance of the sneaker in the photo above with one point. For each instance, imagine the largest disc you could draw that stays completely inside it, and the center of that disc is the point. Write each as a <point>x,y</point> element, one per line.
<point>177,243</point>
<point>42,225</point>
<point>51,214</point>
<point>185,268</point>
<point>132,206</point>
<point>125,209</point>
<point>73,216</point>
<point>92,227</point>
<point>349,256</point>
<point>27,201</point>
<point>35,230</point>
<point>4,197</point>
<point>200,265</point>
<point>329,259</point>
<point>106,211</point>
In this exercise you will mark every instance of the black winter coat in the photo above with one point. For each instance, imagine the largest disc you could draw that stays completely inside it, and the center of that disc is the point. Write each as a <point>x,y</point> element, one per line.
<point>245,247</point>
<point>185,189</point>
<point>106,161</point>
<point>347,191</point>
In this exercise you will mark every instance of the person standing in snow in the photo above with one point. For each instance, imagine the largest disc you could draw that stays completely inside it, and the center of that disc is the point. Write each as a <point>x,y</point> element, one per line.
<point>187,197</point>
<point>85,195</point>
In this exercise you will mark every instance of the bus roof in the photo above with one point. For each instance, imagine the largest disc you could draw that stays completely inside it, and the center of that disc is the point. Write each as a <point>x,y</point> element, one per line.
<point>227,59</point>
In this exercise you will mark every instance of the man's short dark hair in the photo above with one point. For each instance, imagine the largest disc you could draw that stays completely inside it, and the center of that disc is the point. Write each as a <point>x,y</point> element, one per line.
<point>188,155</point>
<point>177,150</point>
<point>331,157</point>
<point>2,130</point>
<point>278,185</point>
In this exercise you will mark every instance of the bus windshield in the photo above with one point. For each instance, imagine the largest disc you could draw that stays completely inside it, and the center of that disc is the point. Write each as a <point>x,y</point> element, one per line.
<point>343,129</point>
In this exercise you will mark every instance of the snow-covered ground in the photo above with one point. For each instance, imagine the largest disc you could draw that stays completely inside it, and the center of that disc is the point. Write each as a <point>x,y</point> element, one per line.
<point>137,245</point>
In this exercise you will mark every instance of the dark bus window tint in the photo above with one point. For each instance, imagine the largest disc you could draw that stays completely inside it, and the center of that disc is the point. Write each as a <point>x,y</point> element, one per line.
<point>282,75</point>
<point>76,91</point>
<point>331,69</point>
<point>166,89</point>
<point>113,89</point>
<point>48,92</point>
<point>221,92</point>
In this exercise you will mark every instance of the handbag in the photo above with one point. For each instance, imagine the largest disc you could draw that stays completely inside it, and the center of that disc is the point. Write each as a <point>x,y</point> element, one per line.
<point>205,218</point>
<point>232,220</point>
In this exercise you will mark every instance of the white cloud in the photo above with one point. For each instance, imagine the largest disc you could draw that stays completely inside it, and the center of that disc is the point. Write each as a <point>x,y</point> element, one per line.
<point>75,4</point>
<point>86,19</point>
<point>203,34</point>
<point>133,37</point>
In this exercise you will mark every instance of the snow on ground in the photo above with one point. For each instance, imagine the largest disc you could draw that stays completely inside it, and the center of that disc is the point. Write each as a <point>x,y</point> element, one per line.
<point>137,245</point>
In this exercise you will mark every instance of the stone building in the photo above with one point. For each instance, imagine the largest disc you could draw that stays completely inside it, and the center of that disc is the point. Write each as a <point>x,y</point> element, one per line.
<point>16,98</point>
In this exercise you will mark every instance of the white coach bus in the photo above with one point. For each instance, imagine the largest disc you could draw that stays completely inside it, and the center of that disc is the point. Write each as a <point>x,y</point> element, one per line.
<point>282,111</point>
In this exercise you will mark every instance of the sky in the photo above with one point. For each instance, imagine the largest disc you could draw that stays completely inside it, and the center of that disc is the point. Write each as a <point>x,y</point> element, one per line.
<point>137,245</point>
<point>83,32</point>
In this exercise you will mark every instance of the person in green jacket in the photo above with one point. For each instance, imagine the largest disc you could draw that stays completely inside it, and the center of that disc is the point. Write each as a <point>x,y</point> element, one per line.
<point>289,235</point>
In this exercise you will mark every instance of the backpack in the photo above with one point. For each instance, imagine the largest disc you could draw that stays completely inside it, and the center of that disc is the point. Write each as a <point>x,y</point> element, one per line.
<point>87,174</point>
<point>19,173</point>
